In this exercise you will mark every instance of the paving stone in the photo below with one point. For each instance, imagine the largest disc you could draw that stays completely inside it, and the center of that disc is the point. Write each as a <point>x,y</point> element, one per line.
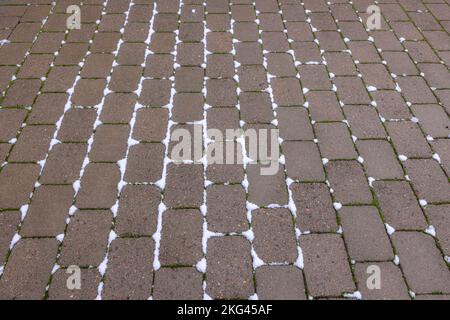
<point>88,92</point>
<point>408,140</point>
<point>86,238</point>
<point>229,271</point>
<point>189,79</point>
<point>136,31</point>
<point>28,283</point>
<point>287,92</point>
<point>255,107</point>
<point>281,65</point>
<point>177,283</point>
<point>436,75</point>
<point>48,108</point>
<point>364,51</point>
<point>380,161</point>
<point>252,78</point>
<point>167,22</point>
<point>340,63</point>
<point>351,90</point>
<point>428,179</point>
<point>130,269</point>
<point>155,93</point>
<point>110,143</point>
<point>392,284</point>
<point>77,125</point>
<point>10,122</point>
<point>433,120</point>
<point>330,41</point>
<point>184,185</point>
<point>48,211</point>
<point>145,163</point>
<point>303,161</point>
<point>218,42</point>
<point>266,189</point>
<point>376,75</point>
<point>280,283</point>
<point>118,108</point>
<point>274,235</point>
<point>324,106</point>
<point>220,66</point>
<point>335,141</point>
<point>226,208</point>
<point>275,41</point>
<point>415,90</point>
<point>270,22</point>
<point>97,65</point>
<point>421,51</point>
<point>422,263</point>
<point>326,269</point>
<point>400,63</point>
<point>125,78</point>
<point>391,105</point>
<point>181,241</point>
<point>60,78</point>
<point>71,54</point>
<point>348,182</point>
<point>162,42</point>
<point>294,124</point>
<point>365,234</point>
<point>221,92</point>
<point>223,119</point>
<point>16,184</point>
<point>353,30</point>
<point>386,40</point>
<point>439,218</point>
<point>306,52</point>
<point>314,77</point>
<point>35,66</point>
<point>90,279</point>
<point>64,163</point>
<point>225,173</point>
<point>4,150</point>
<point>98,186</point>
<point>188,107</point>
<point>9,221</point>
<point>217,21</point>
<point>159,66</point>
<point>22,93</point>
<point>32,144</point>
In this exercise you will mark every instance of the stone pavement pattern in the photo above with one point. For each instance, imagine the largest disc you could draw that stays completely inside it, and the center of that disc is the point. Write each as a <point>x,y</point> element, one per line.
<point>85,123</point>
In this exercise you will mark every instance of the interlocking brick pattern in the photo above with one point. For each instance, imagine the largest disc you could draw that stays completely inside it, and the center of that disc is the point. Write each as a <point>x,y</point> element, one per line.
<point>86,177</point>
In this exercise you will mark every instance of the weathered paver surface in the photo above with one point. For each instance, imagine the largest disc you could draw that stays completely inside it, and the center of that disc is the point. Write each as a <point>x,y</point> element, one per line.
<point>88,178</point>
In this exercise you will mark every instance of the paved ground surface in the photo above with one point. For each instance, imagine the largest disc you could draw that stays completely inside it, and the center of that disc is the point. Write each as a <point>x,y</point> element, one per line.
<point>85,122</point>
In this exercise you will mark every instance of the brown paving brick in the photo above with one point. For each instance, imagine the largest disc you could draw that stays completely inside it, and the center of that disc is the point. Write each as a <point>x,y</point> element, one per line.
<point>105,42</point>
<point>64,163</point>
<point>364,51</point>
<point>181,241</point>
<point>190,54</point>
<point>18,282</point>
<point>187,107</point>
<point>77,125</point>
<point>162,42</point>
<point>191,31</point>
<point>90,278</point>
<point>424,21</point>
<point>189,79</point>
<point>274,235</point>
<point>324,106</point>
<point>10,122</point>
<point>48,108</point>
<point>436,74</point>
<point>439,218</point>
<point>178,133</point>
<point>110,143</point>
<point>226,208</point>
<point>32,144</point>
<point>379,159</point>
<point>365,234</point>
<point>326,269</point>
<point>270,22</point>
<point>97,65</point>
<point>111,22</point>
<point>330,41</point>
<point>48,211</point>
<point>25,32</point>
<point>218,22</point>
<point>433,120</point>
<point>386,40</point>
<point>400,63</point>
<point>294,124</point>
<point>88,92</point>
<point>422,263</point>
<point>266,189</point>
<point>364,122</point>
<point>280,283</point>
<point>192,13</point>
<point>184,185</point>
<point>118,108</point>
<point>82,35</point>
<point>60,78</point>
<point>165,22</point>
<point>151,124</point>
<point>340,63</point>
<point>141,13</point>
<point>314,207</point>
<point>351,90</point>
<point>248,53</point>
<point>138,208</point>
<point>6,74</point>
<point>125,78</point>
<point>406,30</point>
<point>281,65</point>
<point>287,91</point>
<point>391,105</point>
<point>415,90</point>
<point>322,20</point>
<point>306,51</point>
<point>303,161</point>
<point>335,141</point>
<point>408,140</point>
<point>155,93</point>
<point>392,284</point>
<point>376,75</point>
<point>421,51</point>
<point>131,53</point>
<point>130,271</point>
<point>223,173</point>
<point>353,30</point>
<point>9,220</point>
<point>145,162</point>
<point>255,107</point>
<point>439,40</point>
<point>293,11</point>
<point>229,270</point>
<point>16,184</point>
<point>22,93</point>
<point>35,66</point>
<point>177,283</point>
<point>275,41</point>
<point>218,42</point>
<point>220,66</point>
<point>86,238</point>
<point>444,97</point>
<point>243,12</point>
<point>314,77</point>
<point>428,179</point>
<point>221,92</point>
<point>223,119</point>
<point>13,53</point>
<point>71,54</point>
<point>36,13</point>
<point>348,182</point>
<point>136,31</point>
<point>252,78</point>
<point>98,186</point>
